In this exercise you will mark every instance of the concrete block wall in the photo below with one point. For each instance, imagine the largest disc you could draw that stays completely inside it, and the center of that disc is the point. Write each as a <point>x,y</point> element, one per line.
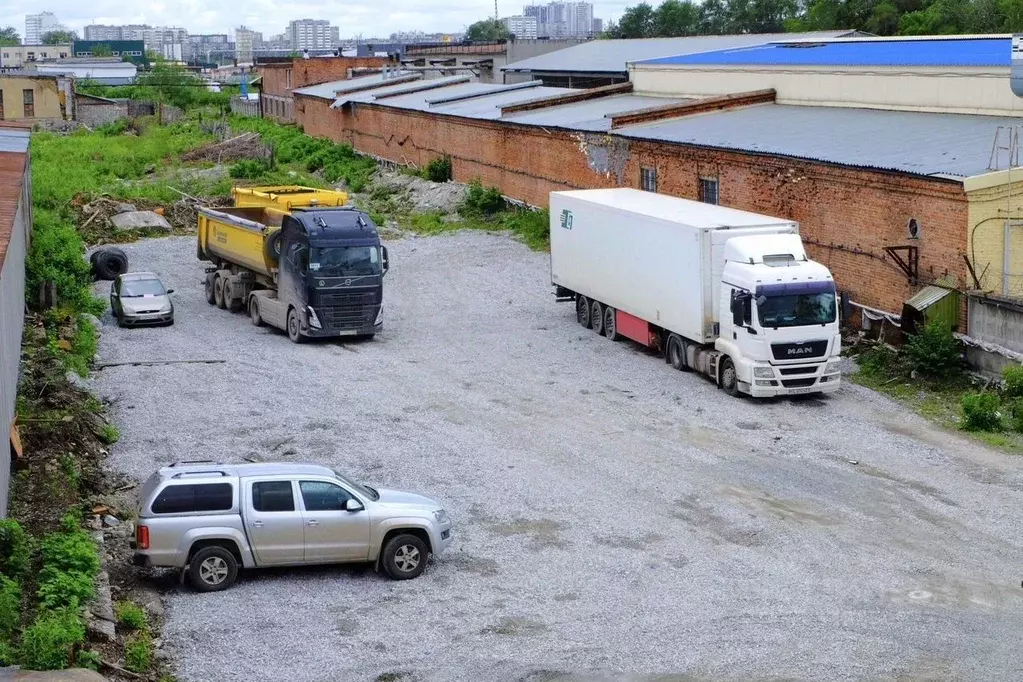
<point>848,215</point>
<point>95,114</point>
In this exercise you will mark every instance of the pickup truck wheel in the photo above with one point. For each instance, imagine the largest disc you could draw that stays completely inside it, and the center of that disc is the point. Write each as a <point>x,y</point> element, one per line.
<point>208,288</point>
<point>597,317</point>
<point>213,569</point>
<point>295,327</point>
<point>729,379</point>
<point>218,292</point>
<point>405,557</point>
<point>582,311</point>
<point>254,315</point>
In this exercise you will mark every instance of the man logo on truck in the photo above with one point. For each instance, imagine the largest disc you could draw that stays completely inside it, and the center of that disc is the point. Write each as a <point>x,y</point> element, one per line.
<point>800,350</point>
<point>566,219</point>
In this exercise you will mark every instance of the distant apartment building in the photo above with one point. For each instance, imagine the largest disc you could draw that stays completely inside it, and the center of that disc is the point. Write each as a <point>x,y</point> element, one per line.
<point>598,26</point>
<point>15,56</point>
<point>209,48</point>
<point>312,34</point>
<point>522,27</point>
<point>38,25</point>
<point>246,41</point>
<point>167,42</point>
<point>562,19</point>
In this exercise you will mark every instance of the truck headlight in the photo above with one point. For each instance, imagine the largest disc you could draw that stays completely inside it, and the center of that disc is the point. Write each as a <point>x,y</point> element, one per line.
<point>833,366</point>
<point>314,321</point>
<point>441,516</point>
<point>763,372</point>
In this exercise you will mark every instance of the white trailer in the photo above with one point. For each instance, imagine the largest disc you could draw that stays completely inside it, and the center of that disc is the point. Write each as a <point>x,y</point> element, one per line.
<point>725,292</point>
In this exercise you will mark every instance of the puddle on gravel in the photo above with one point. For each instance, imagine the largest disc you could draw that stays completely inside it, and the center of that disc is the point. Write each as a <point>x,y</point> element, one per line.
<point>625,542</point>
<point>960,593</point>
<point>543,533</point>
<point>702,518</point>
<point>922,488</point>
<point>786,510</point>
<point>476,565</point>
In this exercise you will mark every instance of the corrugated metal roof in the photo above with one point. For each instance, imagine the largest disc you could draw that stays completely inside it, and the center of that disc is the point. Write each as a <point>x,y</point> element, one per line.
<point>926,297</point>
<point>612,56</point>
<point>590,115</point>
<point>414,86</point>
<point>851,52</point>
<point>486,107</point>
<point>14,139</point>
<point>947,145</point>
<point>328,90</point>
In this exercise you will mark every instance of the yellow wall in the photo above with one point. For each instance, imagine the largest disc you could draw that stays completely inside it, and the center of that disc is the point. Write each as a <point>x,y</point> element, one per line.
<point>46,95</point>
<point>994,198</point>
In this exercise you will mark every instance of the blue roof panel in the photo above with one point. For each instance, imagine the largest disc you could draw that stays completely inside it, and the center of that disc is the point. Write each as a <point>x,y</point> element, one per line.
<point>852,52</point>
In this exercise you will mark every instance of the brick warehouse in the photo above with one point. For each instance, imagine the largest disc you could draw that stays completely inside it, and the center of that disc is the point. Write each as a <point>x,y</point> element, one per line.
<point>853,178</point>
<point>279,79</point>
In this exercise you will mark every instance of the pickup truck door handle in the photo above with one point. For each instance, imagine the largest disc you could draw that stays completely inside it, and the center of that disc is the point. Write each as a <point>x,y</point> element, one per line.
<point>257,524</point>
<point>312,522</point>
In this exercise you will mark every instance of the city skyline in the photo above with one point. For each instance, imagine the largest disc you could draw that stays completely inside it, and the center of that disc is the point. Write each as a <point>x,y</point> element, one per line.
<point>352,19</point>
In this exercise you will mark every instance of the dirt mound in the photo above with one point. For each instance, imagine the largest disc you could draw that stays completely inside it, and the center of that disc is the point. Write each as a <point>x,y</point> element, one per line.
<point>244,146</point>
<point>421,195</point>
<point>94,214</point>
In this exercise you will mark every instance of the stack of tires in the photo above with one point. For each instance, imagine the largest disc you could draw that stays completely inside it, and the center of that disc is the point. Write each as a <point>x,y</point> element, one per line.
<point>108,262</point>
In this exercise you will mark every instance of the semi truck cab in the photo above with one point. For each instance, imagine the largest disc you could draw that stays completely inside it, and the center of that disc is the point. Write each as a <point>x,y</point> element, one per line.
<point>778,315</point>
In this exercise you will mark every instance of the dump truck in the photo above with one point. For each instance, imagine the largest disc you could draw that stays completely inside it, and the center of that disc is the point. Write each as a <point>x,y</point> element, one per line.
<point>727,293</point>
<point>287,197</point>
<point>312,272</point>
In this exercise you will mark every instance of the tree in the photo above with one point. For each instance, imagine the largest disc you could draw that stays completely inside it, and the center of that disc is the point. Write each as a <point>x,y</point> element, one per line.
<point>637,22</point>
<point>102,51</point>
<point>9,36</point>
<point>58,37</point>
<point>676,18</point>
<point>488,29</point>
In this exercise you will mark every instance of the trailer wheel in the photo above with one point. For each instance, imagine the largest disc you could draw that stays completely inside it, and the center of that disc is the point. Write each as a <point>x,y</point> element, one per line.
<point>254,311</point>
<point>295,327</point>
<point>611,324</point>
<point>582,311</point>
<point>231,301</point>
<point>208,288</point>
<point>597,317</point>
<point>675,352</point>
<point>218,292</point>
<point>729,378</point>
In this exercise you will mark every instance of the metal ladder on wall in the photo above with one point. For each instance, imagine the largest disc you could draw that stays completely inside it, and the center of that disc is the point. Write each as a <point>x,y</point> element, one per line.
<point>1006,140</point>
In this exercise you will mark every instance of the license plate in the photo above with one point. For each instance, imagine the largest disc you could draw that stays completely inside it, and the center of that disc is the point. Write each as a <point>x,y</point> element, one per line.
<point>800,391</point>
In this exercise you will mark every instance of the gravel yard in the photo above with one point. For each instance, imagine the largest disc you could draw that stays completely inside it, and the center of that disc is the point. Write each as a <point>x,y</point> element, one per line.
<point>612,517</point>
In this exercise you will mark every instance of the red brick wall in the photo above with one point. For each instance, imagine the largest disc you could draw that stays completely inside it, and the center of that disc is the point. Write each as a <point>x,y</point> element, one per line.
<point>847,215</point>
<point>312,71</point>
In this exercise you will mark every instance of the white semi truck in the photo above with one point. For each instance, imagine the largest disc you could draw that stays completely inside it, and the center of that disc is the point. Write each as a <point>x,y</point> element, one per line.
<point>724,292</point>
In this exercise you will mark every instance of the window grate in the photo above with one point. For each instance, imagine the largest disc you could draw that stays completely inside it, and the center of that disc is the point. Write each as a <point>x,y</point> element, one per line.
<point>648,179</point>
<point>709,190</point>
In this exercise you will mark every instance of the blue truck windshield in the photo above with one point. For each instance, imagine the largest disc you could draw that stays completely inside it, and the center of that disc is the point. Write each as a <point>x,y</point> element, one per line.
<point>345,261</point>
<point>796,305</point>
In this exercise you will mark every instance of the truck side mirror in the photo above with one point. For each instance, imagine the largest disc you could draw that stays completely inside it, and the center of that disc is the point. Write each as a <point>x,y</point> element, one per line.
<point>383,258</point>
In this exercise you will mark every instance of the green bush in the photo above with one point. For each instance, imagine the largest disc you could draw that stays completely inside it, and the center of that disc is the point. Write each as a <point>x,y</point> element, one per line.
<point>48,644</point>
<point>57,255</point>
<point>8,654</point>
<point>138,652</point>
<point>130,615</point>
<point>1016,414</point>
<point>934,352</point>
<point>109,434</point>
<point>249,169</point>
<point>114,128</point>
<point>15,550</point>
<point>981,412</point>
<point>878,361</point>
<point>87,658</point>
<point>70,565</point>
<point>438,170</point>
<point>10,607</point>
<point>481,201</point>
<point>1013,377</point>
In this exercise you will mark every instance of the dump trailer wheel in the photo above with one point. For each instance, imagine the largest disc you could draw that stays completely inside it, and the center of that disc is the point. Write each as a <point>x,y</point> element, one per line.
<point>597,317</point>
<point>218,292</point>
<point>231,301</point>
<point>582,311</point>
<point>208,288</point>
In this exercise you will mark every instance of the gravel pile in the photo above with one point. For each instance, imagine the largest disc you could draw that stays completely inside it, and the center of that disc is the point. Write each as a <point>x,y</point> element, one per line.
<point>420,195</point>
<point>611,516</point>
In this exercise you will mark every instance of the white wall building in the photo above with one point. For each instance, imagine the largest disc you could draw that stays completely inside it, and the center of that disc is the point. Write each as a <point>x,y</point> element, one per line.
<point>312,34</point>
<point>14,56</point>
<point>245,41</point>
<point>103,70</point>
<point>38,25</point>
<point>522,27</point>
<point>562,19</point>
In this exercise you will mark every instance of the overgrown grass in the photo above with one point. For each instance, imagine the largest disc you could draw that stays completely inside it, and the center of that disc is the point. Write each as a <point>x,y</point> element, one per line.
<point>130,615</point>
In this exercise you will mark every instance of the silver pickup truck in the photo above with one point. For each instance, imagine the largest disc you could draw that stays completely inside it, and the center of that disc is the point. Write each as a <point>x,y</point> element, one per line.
<point>212,519</point>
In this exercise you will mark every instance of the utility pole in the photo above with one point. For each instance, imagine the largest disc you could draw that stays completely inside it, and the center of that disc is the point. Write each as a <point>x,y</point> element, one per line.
<point>496,17</point>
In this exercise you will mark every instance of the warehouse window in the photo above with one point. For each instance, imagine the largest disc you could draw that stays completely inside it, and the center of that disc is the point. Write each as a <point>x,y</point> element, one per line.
<point>28,97</point>
<point>648,179</point>
<point>709,190</point>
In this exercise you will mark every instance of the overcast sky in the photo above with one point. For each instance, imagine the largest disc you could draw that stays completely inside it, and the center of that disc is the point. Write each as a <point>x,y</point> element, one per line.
<point>354,17</point>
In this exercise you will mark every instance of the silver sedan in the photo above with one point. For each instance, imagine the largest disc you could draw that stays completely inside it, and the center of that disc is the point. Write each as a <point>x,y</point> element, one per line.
<point>139,298</point>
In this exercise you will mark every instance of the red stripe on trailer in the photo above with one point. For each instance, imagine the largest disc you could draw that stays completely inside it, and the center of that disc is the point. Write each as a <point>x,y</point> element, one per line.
<point>631,327</point>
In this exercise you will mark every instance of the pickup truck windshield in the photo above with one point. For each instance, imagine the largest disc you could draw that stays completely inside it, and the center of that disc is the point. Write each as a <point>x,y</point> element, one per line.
<point>797,310</point>
<point>345,261</point>
<point>361,489</point>
<point>136,288</point>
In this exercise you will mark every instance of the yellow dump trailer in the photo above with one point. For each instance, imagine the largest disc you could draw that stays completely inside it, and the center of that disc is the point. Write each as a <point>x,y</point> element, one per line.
<point>240,236</point>
<point>286,197</point>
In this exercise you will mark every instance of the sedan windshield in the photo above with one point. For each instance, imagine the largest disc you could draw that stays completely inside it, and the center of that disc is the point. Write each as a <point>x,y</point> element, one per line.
<point>364,490</point>
<point>137,288</point>
<point>797,310</point>
<point>345,261</point>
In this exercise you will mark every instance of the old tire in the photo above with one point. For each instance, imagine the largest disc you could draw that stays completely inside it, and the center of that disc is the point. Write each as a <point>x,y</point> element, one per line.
<point>208,287</point>
<point>675,352</point>
<point>254,315</point>
<point>273,247</point>
<point>729,377</point>
<point>405,557</point>
<point>110,263</point>
<point>231,301</point>
<point>611,324</point>
<point>582,311</point>
<point>295,327</point>
<point>597,317</point>
<point>218,292</point>
<point>213,569</point>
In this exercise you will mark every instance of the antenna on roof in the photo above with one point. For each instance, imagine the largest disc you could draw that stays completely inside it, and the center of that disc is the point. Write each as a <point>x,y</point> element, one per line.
<point>495,11</point>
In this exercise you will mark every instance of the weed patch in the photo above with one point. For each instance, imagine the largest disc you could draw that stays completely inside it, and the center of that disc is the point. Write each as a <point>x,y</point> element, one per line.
<point>138,652</point>
<point>131,616</point>
<point>49,643</point>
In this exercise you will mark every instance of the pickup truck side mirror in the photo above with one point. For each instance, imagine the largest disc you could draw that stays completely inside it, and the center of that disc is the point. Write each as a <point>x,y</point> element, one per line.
<point>170,291</point>
<point>353,505</point>
<point>385,264</point>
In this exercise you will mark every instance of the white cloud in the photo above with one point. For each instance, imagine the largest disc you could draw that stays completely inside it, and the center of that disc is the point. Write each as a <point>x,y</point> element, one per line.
<point>353,18</point>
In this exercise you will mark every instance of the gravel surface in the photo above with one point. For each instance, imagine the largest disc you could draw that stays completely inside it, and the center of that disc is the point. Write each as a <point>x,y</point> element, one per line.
<point>612,516</point>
